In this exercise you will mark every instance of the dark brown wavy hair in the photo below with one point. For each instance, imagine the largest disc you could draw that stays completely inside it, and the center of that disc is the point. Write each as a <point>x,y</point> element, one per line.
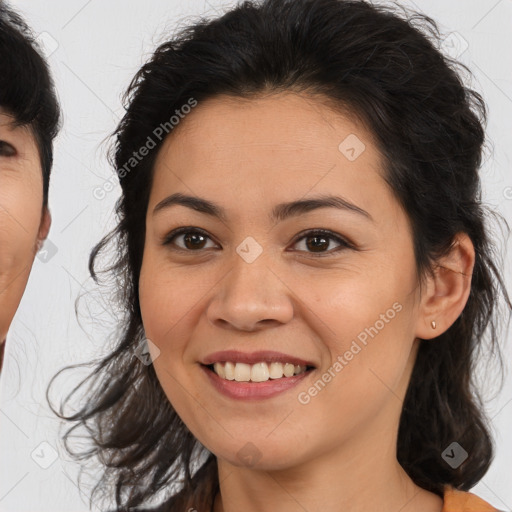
<point>384,65</point>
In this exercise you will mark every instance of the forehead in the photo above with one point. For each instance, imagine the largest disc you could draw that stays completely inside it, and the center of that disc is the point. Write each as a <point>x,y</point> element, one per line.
<point>297,120</point>
<point>6,119</point>
<point>250,155</point>
<point>281,137</point>
<point>8,125</point>
<point>22,133</point>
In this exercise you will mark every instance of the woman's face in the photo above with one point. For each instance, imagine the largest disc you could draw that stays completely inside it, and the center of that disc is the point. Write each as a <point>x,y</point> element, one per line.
<point>251,283</point>
<point>21,222</point>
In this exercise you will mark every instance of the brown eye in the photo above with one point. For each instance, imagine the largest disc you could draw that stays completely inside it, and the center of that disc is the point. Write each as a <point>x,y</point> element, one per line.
<point>193,239</point>
<point>6,149</point>
<point>318,240</point>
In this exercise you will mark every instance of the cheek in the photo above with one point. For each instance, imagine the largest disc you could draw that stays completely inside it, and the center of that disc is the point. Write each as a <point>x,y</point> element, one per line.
<point>166,303</point>
<point>366,322</point>
<point>20,216</point>
<point>167,309</point>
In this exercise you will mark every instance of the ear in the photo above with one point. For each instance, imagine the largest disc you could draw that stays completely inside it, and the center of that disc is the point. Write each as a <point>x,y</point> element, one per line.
<point>447,290</point>
<point>44,227</point>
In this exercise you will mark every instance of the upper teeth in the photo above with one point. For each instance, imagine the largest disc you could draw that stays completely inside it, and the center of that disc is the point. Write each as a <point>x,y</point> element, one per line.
<point>258,372</point>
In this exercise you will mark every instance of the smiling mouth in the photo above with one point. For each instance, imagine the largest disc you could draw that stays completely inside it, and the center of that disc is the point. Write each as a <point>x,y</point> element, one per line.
<point>259,372</point>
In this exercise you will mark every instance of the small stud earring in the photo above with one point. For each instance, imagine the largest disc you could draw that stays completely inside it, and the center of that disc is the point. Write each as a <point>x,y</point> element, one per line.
<point>433,324</point>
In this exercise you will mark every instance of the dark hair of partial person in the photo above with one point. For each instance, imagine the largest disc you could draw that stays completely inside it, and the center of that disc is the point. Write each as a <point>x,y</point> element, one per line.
<point>27,91</point>
<point>383,65</point>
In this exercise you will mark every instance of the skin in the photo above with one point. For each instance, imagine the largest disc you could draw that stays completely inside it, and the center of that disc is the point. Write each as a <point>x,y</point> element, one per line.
<point>24,223</point>
<point>338,452</point>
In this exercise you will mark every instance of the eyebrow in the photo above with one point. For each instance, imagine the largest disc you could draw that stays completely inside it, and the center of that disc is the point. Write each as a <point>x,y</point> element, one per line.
<point>279,213</point>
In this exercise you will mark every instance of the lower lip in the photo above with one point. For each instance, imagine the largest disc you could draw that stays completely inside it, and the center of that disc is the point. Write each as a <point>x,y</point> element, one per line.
<point>253,390</point>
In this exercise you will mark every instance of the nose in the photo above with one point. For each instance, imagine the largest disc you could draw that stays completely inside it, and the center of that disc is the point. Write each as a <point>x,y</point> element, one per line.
<point>250,297</point>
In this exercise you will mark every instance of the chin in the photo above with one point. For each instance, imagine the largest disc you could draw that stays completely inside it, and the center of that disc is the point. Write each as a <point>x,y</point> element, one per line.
<point>260,455</point>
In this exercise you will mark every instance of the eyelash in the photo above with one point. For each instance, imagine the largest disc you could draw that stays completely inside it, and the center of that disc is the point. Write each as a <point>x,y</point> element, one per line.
<point>344,244</point>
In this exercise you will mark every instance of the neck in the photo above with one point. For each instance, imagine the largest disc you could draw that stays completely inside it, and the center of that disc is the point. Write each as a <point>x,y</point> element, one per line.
<point>362,475</point>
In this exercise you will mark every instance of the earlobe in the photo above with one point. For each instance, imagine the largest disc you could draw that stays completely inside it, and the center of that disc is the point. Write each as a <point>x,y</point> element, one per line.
<point>448,289</point>
<point>44,227</point>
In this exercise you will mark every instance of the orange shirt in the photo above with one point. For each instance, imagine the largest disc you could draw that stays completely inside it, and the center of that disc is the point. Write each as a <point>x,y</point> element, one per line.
<point>460,501</point>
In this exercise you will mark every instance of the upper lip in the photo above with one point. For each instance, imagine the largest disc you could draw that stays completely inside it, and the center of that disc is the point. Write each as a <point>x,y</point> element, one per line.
<point>269,356</point>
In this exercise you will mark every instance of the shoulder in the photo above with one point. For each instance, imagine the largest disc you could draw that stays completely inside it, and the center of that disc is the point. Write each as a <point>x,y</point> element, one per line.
<point>161,508</point>
<point>456,500</point>
<point>170,505</point>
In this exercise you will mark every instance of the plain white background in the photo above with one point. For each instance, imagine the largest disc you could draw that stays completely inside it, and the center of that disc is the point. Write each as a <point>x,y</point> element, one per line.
<point>94,48</point>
